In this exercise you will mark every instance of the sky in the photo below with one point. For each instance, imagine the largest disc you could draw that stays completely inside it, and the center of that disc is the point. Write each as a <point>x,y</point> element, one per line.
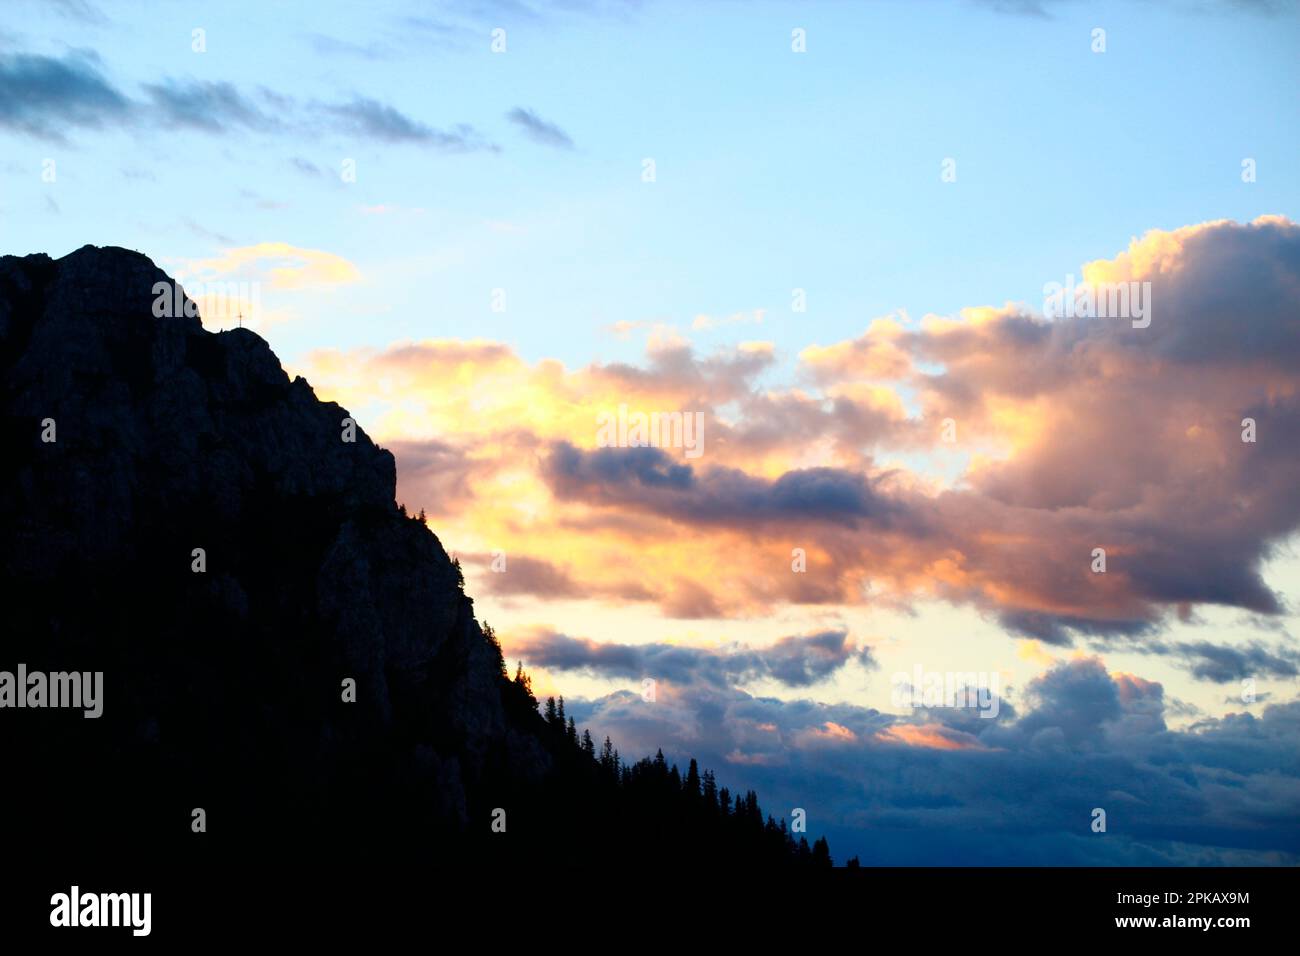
<point>827,230</point>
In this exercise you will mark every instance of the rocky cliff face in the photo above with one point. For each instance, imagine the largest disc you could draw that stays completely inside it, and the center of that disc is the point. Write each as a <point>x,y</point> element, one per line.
<point>133,440</point>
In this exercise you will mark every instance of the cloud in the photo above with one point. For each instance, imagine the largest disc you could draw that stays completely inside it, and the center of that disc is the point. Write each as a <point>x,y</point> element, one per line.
<point>466,26</point>
<point>81,10</point>
<point>647,478</point>
<point>241,284</point>
<point>281,265</point>
<point>41,95</point>
<point>205,233</point>
<point>210,107</point>
<point>931,736</point>
<point>795,661</point>
<point>707,323</point>
<point>1221,663</point>
<point>911,789</point>
<point>524,574</point>
<point>1036,9</point>
<point>305,166</point>
<point>44,96</point>
<point>1041,9</point>
<point>1190,508</point>
<point>435,474</point>
<point>367,117</point>
<point>1071,434</point>
<point>332,46</point>
<point>538,129</point>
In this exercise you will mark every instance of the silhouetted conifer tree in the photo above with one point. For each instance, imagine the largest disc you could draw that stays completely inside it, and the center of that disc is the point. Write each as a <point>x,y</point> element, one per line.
<point>821,853</point>
<point>710,792</point>
<point>491,636</point>
<point>692,787</point>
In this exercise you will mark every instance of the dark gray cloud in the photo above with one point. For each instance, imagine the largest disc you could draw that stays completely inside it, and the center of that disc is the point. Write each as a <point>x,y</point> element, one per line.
<point>45,96</point>
<point>1221,663</point>
<point>648,478</point>
<point>927,788</point>
<point>538,129</point>
<point>1072,703</point>
<point>796,661</point>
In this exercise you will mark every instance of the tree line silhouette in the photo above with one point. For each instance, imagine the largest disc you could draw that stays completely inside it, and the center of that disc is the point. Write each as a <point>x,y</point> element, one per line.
<point>595,805</point>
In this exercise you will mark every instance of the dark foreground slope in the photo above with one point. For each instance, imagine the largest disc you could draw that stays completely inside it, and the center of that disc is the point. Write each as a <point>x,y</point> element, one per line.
<point>223,686</point>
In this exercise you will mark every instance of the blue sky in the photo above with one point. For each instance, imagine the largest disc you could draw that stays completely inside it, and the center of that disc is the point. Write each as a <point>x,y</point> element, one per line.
<point>775,170</point>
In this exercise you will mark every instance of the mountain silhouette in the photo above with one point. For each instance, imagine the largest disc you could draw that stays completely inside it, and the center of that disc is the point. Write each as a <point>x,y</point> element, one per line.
<point>283,647</point>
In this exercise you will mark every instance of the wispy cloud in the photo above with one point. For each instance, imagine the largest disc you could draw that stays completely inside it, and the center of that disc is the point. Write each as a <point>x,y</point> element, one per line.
<point>43,96</point>
<point>305,166</point>
<point>281,265</point>
<point>81,10</point>
<point>46,96</point>
<point>539,130</point>
<point>371,118</point>
<point>211,107</point>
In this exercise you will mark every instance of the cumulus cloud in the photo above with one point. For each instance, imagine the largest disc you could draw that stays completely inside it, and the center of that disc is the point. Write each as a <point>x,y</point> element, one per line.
<point>1071,434</point>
